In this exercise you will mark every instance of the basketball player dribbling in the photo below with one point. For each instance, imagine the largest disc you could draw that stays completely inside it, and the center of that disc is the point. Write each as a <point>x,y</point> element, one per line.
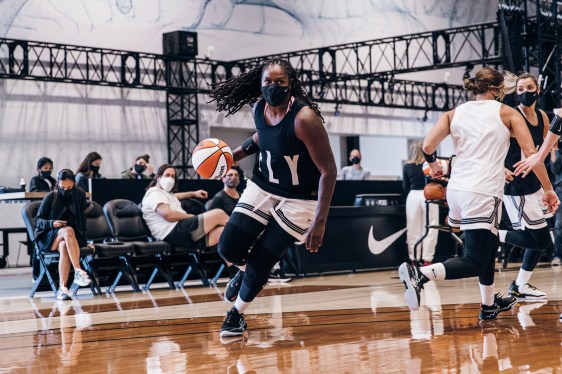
<point>481,131</point>
<point>288,197</point>
<point>522,196</point>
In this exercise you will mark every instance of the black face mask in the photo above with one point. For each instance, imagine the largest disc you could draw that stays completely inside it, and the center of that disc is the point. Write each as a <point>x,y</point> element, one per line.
<point>275,94</point>
<point>66,194</point>
<point>45,174</point>
<point>355,160</point>
<point>528,98</point>
<point>139,169</point>
<point>94,168</point>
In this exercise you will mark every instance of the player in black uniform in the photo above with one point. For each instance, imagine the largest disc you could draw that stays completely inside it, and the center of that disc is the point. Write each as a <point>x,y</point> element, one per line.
<point>293,180</point>
<point>523,196</point>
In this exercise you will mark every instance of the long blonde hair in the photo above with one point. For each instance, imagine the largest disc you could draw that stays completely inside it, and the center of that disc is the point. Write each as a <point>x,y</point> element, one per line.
<point>416,154</point>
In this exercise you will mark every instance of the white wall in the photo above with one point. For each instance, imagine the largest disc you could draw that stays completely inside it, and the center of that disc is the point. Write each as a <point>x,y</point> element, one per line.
<point>383,155</point>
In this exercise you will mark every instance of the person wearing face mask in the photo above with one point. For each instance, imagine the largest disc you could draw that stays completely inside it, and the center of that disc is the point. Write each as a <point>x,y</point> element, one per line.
<point>164,216</point>
<point>89,168</point>
<point>355,171</point>
<point>522,196</point>
<point>61,226</point>
<point>481,130</point>
<point>288,198</point>
<point>138,170</point>
<point>43,182</point>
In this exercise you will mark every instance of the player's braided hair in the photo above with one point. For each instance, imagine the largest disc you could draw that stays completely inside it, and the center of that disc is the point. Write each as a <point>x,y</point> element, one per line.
<point>232,94</point>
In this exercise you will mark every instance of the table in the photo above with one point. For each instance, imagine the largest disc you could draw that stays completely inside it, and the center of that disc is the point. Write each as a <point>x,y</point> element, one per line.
<point>11,221</point>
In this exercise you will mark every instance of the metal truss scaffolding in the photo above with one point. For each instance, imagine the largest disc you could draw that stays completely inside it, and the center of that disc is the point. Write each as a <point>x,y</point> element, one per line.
<point>532,30</point>
<point>362,73</point>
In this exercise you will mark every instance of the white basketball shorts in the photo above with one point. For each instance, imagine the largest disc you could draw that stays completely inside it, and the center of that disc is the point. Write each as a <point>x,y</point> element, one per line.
<point>294,215</point>
<point>472,210</point>
<point>526,211</point>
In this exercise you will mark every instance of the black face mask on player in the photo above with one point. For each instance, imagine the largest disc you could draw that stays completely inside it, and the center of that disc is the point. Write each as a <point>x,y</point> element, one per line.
<point>528,98</point>
<point>275,94</point>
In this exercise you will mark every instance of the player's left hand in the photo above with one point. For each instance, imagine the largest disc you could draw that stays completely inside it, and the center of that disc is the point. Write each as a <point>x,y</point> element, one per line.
<point>314,237</point>
<point>550,199</point>
<point>436,170</point>
<point>527,165</point>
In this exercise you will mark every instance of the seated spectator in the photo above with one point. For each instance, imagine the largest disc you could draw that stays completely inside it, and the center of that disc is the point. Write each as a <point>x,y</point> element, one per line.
<point>89,168</point>
<point>139,167</point>
<point>43,182</point>
<point>162,211</point>
<point>61,225</point>
<point>355,171</point>
<point>226,199</point>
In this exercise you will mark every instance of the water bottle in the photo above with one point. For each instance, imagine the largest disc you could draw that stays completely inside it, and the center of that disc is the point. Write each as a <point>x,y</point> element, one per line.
<point>22,184</point>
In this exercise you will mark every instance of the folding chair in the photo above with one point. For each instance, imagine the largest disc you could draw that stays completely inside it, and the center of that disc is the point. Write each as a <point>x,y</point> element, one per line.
<point>45,259</point>
<point>127,225</point>
<point>109,254</point>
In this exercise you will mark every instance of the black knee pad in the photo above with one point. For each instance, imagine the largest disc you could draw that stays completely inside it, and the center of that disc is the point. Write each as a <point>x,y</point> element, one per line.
<point>234,244</point>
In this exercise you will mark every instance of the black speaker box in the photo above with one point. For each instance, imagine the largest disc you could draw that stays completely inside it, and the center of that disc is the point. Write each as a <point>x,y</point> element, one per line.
<point>180,43</point>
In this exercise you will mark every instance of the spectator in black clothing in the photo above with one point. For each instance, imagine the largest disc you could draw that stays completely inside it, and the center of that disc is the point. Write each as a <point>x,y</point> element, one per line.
<point>89,168</point>
<point>227,198</point>
<point>413,182</point>
<point>43,182</point>
<point>61,225</point>
<point>556,168</point>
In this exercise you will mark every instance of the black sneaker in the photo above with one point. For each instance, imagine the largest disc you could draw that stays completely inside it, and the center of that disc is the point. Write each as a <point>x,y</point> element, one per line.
<point>233,287</point>
<point>234,324</point>
<point>501,304</point>
<point>276,277</point>
<point>413,280</point>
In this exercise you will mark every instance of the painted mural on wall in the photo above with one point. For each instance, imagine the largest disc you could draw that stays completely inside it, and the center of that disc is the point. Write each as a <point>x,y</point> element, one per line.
<point>231,29</point>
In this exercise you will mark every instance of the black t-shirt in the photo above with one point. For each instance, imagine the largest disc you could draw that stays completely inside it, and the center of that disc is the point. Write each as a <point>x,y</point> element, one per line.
<point>413,177</point>
<point>284,166</point>
<point>530,184</point>
<point>223,201</point>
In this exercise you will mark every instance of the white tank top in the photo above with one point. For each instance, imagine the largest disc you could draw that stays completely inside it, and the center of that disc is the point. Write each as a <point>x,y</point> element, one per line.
<point>481,141</point>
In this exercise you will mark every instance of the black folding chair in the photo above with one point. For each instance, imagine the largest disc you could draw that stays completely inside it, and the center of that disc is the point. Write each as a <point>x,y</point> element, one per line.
<point>45,259</point>
<point>127,225</point>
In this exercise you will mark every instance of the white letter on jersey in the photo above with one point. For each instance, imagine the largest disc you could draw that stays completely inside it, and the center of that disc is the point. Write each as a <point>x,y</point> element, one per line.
<point>293,166</point>
<point>268,162</point>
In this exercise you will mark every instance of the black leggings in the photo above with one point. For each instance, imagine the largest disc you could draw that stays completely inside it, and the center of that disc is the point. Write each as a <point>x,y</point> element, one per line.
<point>234,246</point>
<point>480,247</point>
<point>534,242</point>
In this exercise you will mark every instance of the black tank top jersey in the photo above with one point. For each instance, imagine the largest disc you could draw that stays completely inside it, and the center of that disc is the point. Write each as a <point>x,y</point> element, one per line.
<point>283,166</point>
<point>530,184</point>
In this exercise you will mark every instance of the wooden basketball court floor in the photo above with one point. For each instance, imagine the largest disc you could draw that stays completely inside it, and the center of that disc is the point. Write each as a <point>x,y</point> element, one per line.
<point>352,323</point>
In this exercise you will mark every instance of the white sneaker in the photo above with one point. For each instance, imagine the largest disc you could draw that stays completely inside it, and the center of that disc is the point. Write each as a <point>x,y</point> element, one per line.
<point>81,278</point>
<point>556,261</point>
<point>63,294</point>
<point>526,292</point>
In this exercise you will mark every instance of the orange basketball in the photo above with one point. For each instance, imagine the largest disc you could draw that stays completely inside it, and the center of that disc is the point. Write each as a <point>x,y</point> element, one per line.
<point>212,158</point>
<point>434,191</point>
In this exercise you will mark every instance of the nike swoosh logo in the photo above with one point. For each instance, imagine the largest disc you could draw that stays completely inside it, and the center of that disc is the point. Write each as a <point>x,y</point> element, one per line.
<point>379,246</point>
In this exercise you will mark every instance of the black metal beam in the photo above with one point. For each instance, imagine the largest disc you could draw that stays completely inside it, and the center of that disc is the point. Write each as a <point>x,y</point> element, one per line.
<point>476,44</point>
